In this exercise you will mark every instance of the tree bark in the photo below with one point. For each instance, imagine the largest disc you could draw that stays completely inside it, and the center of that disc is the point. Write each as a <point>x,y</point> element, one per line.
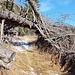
<point>6,57</point>
<point>2,27</point>
<point>46,30</point>
<point>15,19</point>
<point>36,11</point>
<point>7,4</point>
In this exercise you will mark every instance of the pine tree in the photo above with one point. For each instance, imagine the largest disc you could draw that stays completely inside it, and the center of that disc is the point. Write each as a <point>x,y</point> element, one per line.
<point>27,13</point>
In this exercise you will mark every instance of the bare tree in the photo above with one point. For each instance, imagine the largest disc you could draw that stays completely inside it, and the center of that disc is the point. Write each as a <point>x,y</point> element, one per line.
<point>61,40</point>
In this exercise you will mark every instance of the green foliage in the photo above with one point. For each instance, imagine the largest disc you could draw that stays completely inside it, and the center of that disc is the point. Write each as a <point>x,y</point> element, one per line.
<point>37,2</point>
<point>25,31</point>
<point>29,14</point>
<point>23,9</point>
<point>22,31</point>
<point>9,5</point>
<point>3,5</point>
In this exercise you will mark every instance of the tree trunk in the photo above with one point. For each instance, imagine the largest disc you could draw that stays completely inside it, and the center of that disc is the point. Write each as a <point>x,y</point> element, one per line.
<point>14,19</point>
<point>36,11</point>
<point>2,26</point>
<point>6,57</point>
<point>7,4</point>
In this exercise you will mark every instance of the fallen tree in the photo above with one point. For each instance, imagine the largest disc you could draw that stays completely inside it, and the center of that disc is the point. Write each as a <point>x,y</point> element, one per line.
<point>6,57</point>
<point>61,41</point>
<point>45,30</point>
<point>14,19</point>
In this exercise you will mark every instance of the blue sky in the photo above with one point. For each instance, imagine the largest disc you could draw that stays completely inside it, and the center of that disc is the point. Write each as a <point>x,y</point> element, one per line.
<point>56,7</point>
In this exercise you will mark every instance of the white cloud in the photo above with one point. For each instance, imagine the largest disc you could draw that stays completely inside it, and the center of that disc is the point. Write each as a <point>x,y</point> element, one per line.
<point>46,6</point>
<point>63,2</point>
<point>67,2</point>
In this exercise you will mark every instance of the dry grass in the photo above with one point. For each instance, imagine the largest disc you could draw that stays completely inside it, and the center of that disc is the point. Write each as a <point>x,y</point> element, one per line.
<point>41,63</point>
<point>30,38</point>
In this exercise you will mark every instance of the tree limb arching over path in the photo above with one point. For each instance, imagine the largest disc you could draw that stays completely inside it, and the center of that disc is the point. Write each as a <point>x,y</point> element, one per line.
<point>56,36</point>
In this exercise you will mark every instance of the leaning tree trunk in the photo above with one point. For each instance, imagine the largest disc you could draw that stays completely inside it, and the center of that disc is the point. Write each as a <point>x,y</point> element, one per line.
<point>43,28</point>
<point>34,7</point>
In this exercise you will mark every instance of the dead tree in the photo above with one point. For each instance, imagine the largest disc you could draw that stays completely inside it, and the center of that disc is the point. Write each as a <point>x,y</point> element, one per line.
<point>61,40</point>
<point>6,57</point>
<point>2,26</point>
<point>34,8</point>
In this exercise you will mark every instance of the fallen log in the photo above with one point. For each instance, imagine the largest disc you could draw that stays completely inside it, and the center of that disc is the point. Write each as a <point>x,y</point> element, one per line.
<point>14,19</point>
<point>6,57</point>
<point>60,40</point>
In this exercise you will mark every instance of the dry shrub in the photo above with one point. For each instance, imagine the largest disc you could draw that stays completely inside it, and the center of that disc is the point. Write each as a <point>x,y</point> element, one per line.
<point>66,53</point>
